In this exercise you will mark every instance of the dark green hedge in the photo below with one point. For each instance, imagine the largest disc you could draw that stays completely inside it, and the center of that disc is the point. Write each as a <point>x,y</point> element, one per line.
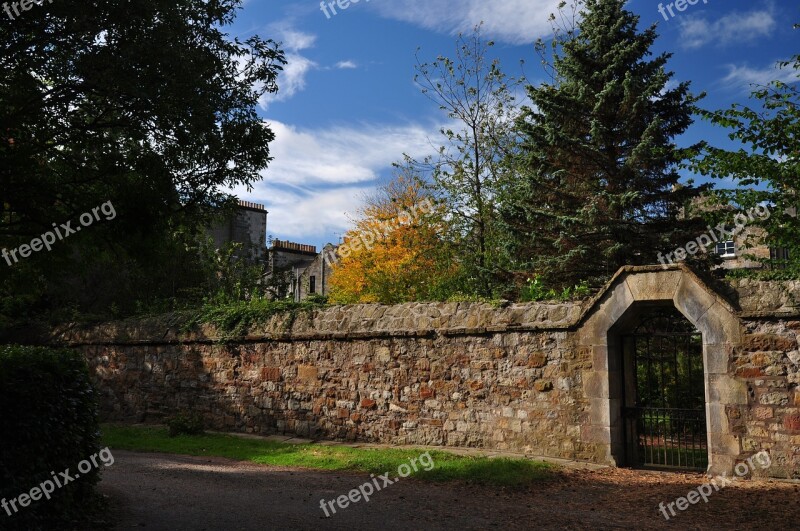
<point>48,424</point>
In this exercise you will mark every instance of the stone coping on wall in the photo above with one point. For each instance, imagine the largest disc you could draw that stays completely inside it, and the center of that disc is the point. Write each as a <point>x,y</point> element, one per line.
<point>745,298</point>
<point>361,321</point>
<point>767,298</point>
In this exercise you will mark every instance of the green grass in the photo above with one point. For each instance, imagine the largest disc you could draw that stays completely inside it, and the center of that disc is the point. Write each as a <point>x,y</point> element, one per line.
<point>447,466</point>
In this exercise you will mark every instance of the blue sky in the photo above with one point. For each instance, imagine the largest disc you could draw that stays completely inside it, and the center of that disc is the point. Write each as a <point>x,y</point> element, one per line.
<point>348,106</point>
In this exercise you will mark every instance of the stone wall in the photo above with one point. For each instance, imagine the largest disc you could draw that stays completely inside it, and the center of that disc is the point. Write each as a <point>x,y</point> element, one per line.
<point>769,364</point>
<point>439,374</point>
<point>521,377</point>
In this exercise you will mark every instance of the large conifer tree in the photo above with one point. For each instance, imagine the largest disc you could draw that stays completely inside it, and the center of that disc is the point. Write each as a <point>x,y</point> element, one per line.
<point>598,184</point>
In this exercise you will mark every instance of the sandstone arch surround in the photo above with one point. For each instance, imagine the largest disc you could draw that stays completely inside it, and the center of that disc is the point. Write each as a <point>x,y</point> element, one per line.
<point>722,332</point>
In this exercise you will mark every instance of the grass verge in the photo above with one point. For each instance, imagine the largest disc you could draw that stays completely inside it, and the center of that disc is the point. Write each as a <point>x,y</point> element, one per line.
<point>447,466</point>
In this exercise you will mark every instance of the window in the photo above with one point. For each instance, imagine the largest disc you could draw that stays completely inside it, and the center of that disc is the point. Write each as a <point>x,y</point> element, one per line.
<point>312,284</point>
<point>726,249</point>
<point>778,253</point>
<point>779,257</point>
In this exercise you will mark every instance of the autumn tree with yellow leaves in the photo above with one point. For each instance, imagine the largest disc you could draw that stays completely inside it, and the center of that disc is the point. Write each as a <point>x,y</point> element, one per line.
<point>395,252</point>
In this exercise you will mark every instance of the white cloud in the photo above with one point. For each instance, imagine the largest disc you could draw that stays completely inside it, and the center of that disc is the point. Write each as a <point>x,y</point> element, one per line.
<point>344,154</point>
<point>293,78</point>
<point>346,65</point>
<point>733,28</point>
<point>307,216</point>
<point>296,40</point>
<point>513,21</point>
<point>319,175</point>
<point>746,77</point>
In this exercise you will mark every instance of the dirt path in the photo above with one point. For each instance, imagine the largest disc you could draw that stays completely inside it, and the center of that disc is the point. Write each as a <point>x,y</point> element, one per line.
<point>156,491</point>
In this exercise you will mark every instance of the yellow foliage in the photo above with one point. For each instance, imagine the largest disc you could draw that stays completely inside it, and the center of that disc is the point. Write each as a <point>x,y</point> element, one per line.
<point>393,254</point>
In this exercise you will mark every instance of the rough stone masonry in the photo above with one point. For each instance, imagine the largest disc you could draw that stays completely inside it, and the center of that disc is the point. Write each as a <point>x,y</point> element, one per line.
<point>520,377</point>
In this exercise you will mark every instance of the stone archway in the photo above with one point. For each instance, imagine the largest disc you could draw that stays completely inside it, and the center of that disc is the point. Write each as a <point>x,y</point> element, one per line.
<point>713,317</point>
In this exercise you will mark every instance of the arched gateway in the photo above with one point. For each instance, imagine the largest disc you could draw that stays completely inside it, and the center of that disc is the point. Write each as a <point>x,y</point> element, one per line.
<point>660,381</point>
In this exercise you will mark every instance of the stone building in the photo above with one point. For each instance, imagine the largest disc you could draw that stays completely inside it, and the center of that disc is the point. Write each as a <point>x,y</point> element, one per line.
<point>748,250</point>
<point>248,227</point>
<point>314,280</point>
<point>296,270</point>
<point>739,244</point>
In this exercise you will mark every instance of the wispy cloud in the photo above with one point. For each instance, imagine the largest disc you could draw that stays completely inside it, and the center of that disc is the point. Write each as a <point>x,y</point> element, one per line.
<point>745,77</point>
<point>734,28</point>
<point>344,65</point>
<point>513,21</point>
<point>293,78</point>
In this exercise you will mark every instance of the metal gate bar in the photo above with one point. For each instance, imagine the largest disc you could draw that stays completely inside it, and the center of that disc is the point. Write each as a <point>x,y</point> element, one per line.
<point>672,438</point>
<point>669,406</point>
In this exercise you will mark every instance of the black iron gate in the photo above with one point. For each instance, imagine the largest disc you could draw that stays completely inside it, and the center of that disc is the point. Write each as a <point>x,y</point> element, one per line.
<point>664,393</point>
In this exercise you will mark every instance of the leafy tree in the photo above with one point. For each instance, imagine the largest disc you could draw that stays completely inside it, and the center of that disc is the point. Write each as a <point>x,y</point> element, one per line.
<point>147,104</point>
<point>394,254</point>
<point>597,185</point>
<point>478,99</point>
<point>768,170</point>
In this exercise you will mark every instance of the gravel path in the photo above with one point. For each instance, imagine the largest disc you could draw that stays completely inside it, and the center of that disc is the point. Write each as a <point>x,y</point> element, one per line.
<point>156,491</point>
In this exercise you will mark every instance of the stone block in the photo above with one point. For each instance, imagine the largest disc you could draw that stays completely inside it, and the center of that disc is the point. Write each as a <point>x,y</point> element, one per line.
<point>749,372</point>
<point>537,360</point>
<point>599,412</point>
<point>607,312</point>
<point>692,300</point>
<point>765,359</point>
<point>721,464</point>
<point>726,390</point>
<point>605,358</point>
<point>595,434</point>
<point>654,286</point>
<point>383,354</point>
<point>717,418</point>
<point>719,325</point>
<point>763,413</point>
<point>756,342</point>
<point>723,444</point>
<point>792,423</point>
<point>774,399</point>
<point>475,385</point>
<point>307,374</point>
<point>595,384</point>
<point>717,357</point>
<point>271,374</point>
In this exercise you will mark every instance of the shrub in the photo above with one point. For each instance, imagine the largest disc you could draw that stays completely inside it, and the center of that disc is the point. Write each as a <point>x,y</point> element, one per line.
<point>234,318</point>
<point>185,425</point>
<point>48,422</point>
<point>535,291</point>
